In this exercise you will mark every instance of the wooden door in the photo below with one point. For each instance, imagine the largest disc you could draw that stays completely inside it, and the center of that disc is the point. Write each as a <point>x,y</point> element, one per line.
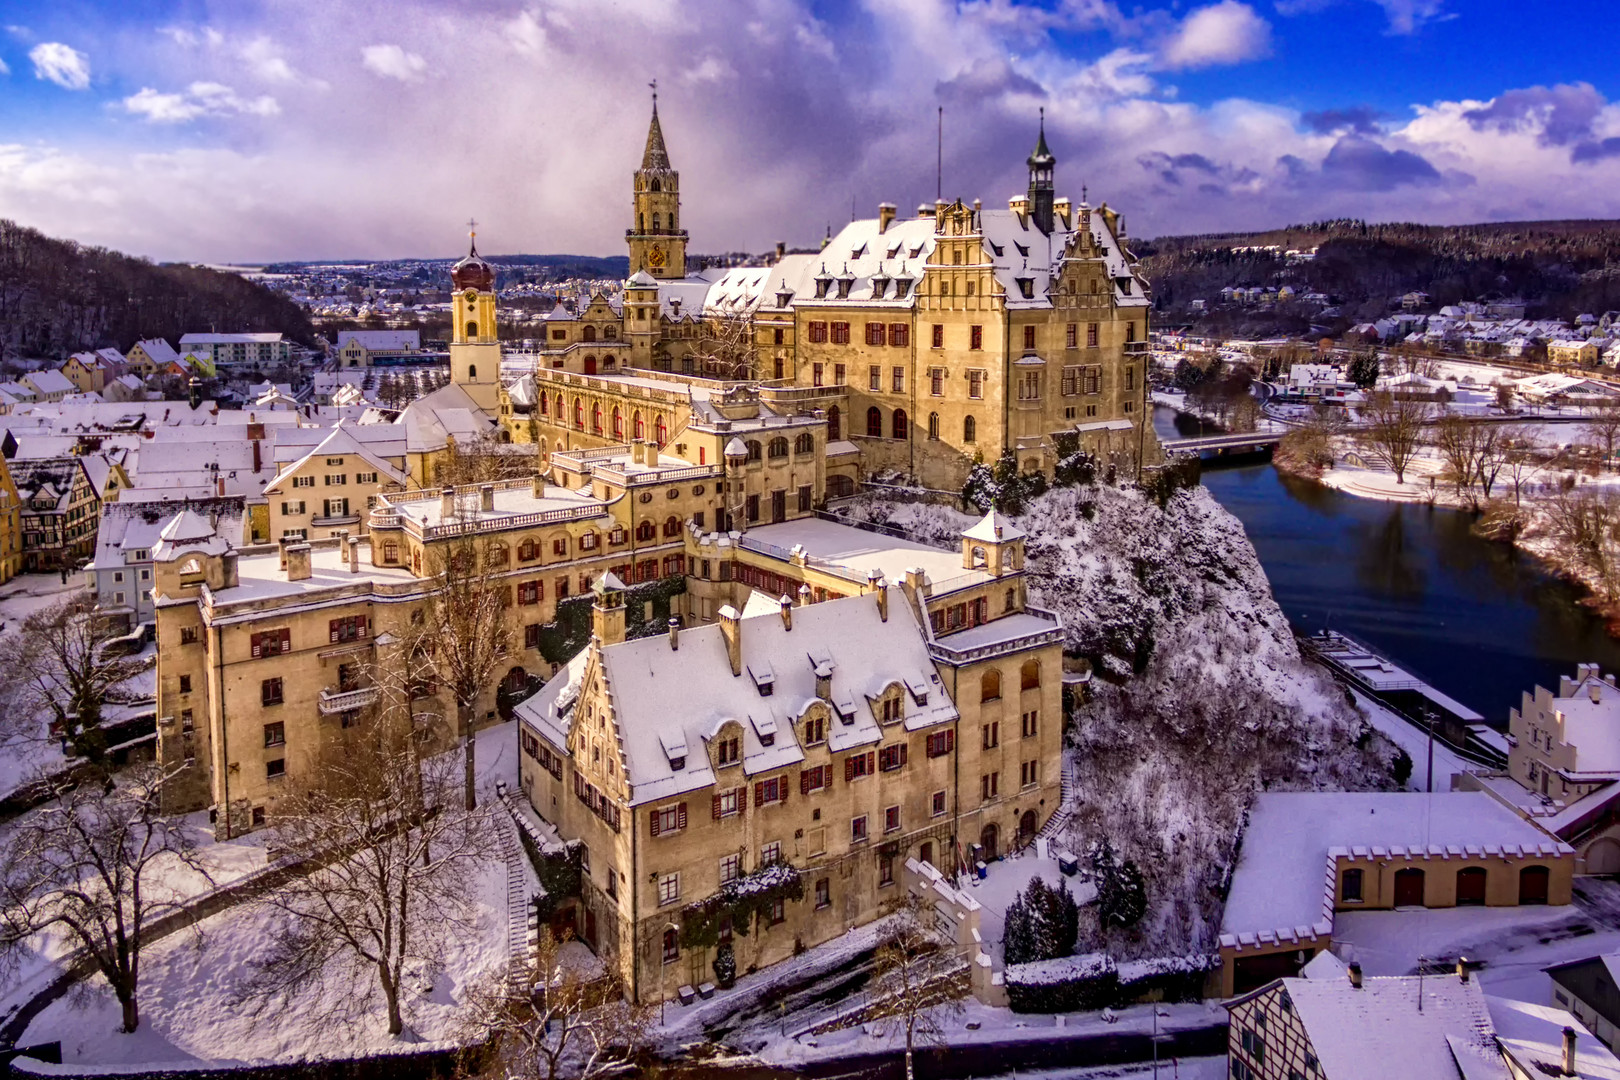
<point>1471,886</point>
<point>1533,885</point>
<point>1409,888</point>
<point>778,506</point>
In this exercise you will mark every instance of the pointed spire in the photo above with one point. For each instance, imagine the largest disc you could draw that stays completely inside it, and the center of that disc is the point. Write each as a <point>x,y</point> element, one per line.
<point>1042,156</point>
<point>656,157</point>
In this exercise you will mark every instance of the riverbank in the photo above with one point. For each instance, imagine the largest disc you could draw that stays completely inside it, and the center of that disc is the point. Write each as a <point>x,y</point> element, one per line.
<point>1530,516</point>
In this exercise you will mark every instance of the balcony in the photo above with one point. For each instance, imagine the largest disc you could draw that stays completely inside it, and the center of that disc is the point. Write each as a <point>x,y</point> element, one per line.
<point>1136,348</point>
<point>333,702</point>
<point>334,520</point>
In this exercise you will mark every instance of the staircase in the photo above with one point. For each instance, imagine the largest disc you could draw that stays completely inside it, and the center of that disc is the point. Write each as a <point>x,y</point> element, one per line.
<point>1061,816</point>
<point>519,938</point>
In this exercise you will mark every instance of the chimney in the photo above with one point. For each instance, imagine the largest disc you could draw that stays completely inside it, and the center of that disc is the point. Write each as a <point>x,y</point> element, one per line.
<point>486,497</point>
<point>781,250</point>
<point>255,454</point>
<point>281,549</point>
<point>447,503</point>
<point>731,630</point>
<point>824,683</point>
<point>539,489</point>
<point>885,216</point>
<point>298,560</point>
<point>1065,211</point>
<point>219,486</point>
<point>674,635</point>
<point>354,554</point>
<point>1355,974</point>
<point>1569,1051</point>
<point>228,563</point>
<point>787,613</point>
<point>1462,969</point>
<point>875,580</point>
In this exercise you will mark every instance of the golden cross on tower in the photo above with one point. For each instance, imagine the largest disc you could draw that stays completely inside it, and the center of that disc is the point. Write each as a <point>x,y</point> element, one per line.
<point>472,227</point>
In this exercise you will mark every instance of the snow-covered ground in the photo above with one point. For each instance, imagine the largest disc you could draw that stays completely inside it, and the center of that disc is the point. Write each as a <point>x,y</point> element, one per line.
<point>27,593</point>
<point>1416,743</point>
<point>193,1009</point>
<point>1201,1068</point>
<point>1005,879</point>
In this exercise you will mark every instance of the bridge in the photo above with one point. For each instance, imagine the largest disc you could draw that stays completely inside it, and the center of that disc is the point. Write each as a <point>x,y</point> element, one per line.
<point>1224,445</point>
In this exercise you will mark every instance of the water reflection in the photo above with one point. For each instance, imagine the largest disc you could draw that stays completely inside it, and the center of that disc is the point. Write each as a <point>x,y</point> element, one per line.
<point>1482,622</point>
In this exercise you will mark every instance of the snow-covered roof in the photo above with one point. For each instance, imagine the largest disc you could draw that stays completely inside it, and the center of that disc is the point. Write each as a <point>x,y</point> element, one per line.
<point>1378,1031</point>
<point>188,531</point>
<point>340,441</point>
<point>1278,885</point>
<point>381,340</point>
<point>229,339</point>
<point>658,691</point>
<point>431,421</point>
<point>862,552</point>
<point>1590,708</point>
<point>994,528</point>
<point>50,382</point>
<point>159,350</point>
<point>1533,1036</point>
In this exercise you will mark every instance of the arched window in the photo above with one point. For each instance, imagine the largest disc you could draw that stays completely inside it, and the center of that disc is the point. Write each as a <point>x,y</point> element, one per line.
<point>834,429</point>
<point>805,444</point>
<point>472,371</point>
<point>753,450</point>
<point>898,425</point>
<point>933,425</point>
<point>778,447</point>
<point>559,413</point>
<point>672,526</point>
<point>596,417</point>
<point>545,404</point>
<point>610,333</point>
<point>472,330</point>
<point>840,487</point>
<point>1029,676</point>
<point>637,429</point>
<point>662,433</point>
<point>657,185</point>
<point>646,531</point>
<point>990,685</point>
<point>874,423</point>
<point>979,558</point>
<point>657,221</point>
<point>496,556</point>
<point>618,423</point>
<point>579,414</point>
<point>590,333</point>
<point>970,430</point>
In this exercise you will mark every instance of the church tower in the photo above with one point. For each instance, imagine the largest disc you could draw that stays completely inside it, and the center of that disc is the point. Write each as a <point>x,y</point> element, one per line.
<point>475,354</point>
<point>657,242</point>
<point>1041,164</point>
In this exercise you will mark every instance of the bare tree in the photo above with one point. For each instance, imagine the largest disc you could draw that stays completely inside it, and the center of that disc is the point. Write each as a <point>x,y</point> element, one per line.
<point>396,882</point>
<point>559,1021</point>
<point>485,461</point>
<point>918,979</point>
<point>1603,430</point>
<point>1307,448</point>
<point>1459,440</point>
<point>62,664</point>
<point>1492,452</point>
<point>1522,455</point>
<point>464,632</point>
<point>1586,526</point>
<point>725,346</point>
<point>1505,396</point>
<point>1393,430</point>
<point>95,865</point>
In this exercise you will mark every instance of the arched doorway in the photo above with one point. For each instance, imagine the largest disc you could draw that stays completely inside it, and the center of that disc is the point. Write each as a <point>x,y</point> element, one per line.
<point>590,928</point>
<point>1533,885</point>
<point>1026,828</point>
<point>1471,886</point>
<point>925,853</point>
<point>834,428</point>
<point>590,365</point>
<point>1409,887</point>
<point>987,842</point>
<point>1603,857</point>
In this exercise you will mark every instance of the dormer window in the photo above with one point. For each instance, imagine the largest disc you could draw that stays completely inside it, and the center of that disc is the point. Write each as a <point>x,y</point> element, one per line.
<point>728,751</point>
<point>916,252</point>
<point>1023,249</point>
<point>764,678</point>
<point>674,749</point>
<point>784,298</point>
<point>892,252</point>
<point>843,287</point>
<point>822,285</point>
<point>919,691</point>
<point>902,288</point>
<point>880,286</point>
<point>1026,286</point>
<point>858,252</point>
<point>765,729</point>
<point>995,247</point>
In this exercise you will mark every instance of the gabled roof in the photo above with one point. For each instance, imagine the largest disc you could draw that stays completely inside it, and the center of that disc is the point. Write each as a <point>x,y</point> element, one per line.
<point>340,441</point>
<point>659,693</point>
<point>432,420</point>
<point>187,531</point>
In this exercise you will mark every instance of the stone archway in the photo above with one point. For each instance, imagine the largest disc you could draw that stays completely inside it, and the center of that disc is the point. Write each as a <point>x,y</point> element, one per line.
<point>1026,828</point>
<point>987,842</point>
<point>1603,857</point>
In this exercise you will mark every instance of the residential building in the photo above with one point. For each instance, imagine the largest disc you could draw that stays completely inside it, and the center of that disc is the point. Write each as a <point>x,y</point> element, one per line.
<point>1590,988</point>
<point>363,348</point>
<point>233,350</point>
<point>147,358</point>
<point>1568,352</point>
<point>122,574</point>
<point>60,500</point>
<point>48,385</point>
<point>332,487</point>
<point>829,741</point>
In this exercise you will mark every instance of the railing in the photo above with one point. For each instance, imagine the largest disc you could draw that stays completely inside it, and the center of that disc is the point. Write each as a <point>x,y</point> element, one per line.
<point>942,651</point>
<point>339,519</point>
<point>1136,348</point>
<point>960,581</point>
<point>748,543</point>
<point>508,521</point>
<point>655,474</point>
<point>339,701</point>
<point>801,393</point>
<point>385,519</point>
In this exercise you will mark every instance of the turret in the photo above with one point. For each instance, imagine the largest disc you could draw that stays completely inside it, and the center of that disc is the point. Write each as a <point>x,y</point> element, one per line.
<point>657,242</point>
<point>1041,196</point>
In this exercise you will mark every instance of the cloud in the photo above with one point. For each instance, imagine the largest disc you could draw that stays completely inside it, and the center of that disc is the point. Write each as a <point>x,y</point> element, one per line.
<point>264,59</point>
<point>1358,163</point>
<point>984,78</point>
<point>1225,33</point>
<point>1404,17</point>
<point>61,64</point>
<point>1559,115</point>
<point>1358,120</point>
<point>4,70</point>
<point>393,62</point>
<point>197,100</point>
<point>526,34</point>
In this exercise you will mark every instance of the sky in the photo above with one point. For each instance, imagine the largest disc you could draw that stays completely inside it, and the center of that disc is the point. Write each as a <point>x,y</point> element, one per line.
<point>254,130</point>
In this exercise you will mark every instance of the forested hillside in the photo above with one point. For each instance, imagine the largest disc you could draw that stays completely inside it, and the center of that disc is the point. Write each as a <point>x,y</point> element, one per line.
<point>1560,268</point>
<point>58,297</point>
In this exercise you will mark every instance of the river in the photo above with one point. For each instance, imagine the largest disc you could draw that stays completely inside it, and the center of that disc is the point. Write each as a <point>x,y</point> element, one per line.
<point>1479,620</point>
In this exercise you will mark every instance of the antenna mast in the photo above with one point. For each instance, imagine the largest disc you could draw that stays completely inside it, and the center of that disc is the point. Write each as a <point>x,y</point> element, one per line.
<point>939,161</point>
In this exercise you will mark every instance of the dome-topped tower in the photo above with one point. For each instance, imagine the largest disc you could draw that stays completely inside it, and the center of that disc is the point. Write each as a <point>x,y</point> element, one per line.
<point>475,350</point>
<point>473,272</point>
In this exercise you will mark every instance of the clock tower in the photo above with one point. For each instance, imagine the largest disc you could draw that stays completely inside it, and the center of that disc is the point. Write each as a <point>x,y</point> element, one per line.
<point>657,242</point>
<point>475,353</point>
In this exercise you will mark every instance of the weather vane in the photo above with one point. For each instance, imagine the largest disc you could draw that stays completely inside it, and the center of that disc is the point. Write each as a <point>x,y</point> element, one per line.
<point>654,85</point>
<point>472,227</point>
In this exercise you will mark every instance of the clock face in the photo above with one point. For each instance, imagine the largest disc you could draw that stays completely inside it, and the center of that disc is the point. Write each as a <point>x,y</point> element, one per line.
<point>655,257</point>
<point>471,295</point>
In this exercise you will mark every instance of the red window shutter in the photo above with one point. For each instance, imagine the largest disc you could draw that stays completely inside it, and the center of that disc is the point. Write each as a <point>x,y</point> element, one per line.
<point>782,789</point>
<point>950,740</point>
<point>849,768</point>
<point>717,808</point>
<point>804,781</point>
<point>257,646</point>
<point>332,630</point>
<point>680,816</point>
<point>871,757</point>
<point>655,816</point>
<point>286,639</point>
<point>759,793</point>
<point>902,753</point>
